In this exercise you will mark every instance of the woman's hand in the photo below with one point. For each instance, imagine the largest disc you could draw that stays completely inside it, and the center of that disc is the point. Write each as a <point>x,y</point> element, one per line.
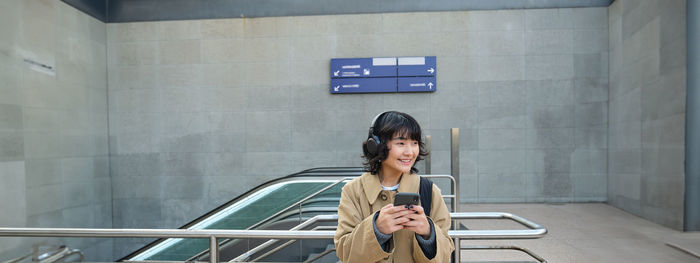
<point>392,218</point>
<point>418,222</point>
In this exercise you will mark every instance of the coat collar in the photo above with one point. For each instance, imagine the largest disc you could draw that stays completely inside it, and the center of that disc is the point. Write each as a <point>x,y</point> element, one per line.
<point>372,187</point>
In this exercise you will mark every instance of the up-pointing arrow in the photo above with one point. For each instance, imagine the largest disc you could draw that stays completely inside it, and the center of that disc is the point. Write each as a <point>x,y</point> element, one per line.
<point>430,85</point>
<point>431,70</point>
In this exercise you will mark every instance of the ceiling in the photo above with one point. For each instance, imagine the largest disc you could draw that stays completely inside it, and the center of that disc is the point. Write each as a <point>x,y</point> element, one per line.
<point>117,11</point>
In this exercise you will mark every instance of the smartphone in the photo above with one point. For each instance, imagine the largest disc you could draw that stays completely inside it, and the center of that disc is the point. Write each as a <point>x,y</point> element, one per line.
<point>406,199</point>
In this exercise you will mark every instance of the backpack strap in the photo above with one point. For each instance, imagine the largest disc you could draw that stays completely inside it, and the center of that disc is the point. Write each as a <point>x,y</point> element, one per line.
<point>426,194</point>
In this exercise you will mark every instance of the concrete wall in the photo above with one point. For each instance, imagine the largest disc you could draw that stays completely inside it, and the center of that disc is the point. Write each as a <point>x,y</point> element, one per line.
<point>202,110</point>
<point>647,109</point>
<point>54,169</point>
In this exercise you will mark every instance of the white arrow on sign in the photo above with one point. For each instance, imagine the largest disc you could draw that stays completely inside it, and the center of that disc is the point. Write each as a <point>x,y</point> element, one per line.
<point>336,88</point>
<point>431,70</point>
<point>335,73</point>
<point>430,84</point>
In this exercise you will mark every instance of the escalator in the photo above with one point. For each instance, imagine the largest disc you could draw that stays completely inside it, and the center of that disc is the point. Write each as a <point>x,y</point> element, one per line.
<point>279,204</point>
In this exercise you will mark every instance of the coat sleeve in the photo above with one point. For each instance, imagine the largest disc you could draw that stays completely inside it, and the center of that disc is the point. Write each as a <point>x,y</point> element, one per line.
<point>354,238</point>
<point>441,220</point>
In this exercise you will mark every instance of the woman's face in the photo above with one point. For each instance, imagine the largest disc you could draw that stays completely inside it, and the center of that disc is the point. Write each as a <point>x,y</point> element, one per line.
<point>402,154</point>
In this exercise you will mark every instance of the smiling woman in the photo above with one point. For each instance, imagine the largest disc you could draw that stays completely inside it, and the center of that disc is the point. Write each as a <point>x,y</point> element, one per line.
<point>370,227</point>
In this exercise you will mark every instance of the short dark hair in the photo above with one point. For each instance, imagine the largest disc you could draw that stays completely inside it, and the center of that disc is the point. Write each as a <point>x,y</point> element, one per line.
<point>385,127</point>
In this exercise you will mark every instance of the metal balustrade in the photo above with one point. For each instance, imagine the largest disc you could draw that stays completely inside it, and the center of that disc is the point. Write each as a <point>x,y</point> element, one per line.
<point>534,231</point>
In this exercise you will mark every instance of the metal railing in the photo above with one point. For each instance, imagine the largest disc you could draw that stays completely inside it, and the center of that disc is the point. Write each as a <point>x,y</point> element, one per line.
<point>298,204</point>
<point>50,255</point>
<point>535,231</point>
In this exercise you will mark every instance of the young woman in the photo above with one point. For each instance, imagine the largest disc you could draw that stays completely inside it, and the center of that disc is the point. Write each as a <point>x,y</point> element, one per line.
<point>370,227</point>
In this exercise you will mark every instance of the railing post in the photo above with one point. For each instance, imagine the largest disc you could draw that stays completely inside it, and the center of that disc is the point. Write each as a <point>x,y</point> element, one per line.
<point>213,250</point>
<point>454,164</point>
<point>458,251</point>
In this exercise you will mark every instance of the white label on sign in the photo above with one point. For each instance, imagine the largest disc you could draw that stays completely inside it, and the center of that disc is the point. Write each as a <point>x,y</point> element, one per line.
<point>349,86</point>
<point>350,74</point>
<point>417,84</point>
<point>383,61</point>
<point>412,61</point>
<point>351,66</point>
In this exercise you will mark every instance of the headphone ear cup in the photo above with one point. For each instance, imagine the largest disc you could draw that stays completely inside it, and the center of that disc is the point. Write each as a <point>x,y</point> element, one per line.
<point>373,145</point>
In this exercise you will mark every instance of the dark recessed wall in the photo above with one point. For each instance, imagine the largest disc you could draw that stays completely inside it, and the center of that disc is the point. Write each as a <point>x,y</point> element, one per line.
<point>94,8</point>
<point>116,11</point>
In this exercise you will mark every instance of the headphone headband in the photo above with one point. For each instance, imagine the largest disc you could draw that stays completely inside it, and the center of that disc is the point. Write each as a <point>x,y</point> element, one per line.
<point>374,122</point>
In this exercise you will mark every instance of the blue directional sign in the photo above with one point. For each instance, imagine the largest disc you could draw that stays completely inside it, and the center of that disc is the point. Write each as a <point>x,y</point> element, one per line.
<point>363,67</point>
<point>372,75</point>
<point>417,84</point>
<point>417,66</point>
<point>363,85</point>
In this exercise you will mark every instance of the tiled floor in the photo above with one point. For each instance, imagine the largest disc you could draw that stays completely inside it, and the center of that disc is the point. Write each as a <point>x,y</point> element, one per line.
<point>582,233</point>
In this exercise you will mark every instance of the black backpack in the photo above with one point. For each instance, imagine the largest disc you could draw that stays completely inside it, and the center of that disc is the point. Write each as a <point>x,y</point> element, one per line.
<point>426,194</point>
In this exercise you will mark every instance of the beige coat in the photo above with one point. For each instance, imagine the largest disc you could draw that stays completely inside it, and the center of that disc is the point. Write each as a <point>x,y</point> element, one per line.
<point>355,240</point>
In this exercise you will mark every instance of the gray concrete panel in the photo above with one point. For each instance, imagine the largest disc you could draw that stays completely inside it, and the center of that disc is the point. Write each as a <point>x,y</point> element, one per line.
<point>552,160</point>
<point>304,160</point>
<point>591,137</point>
<point>320,141</point>
<point>559,18</point>
<point>590,41</point>
<point>553,187</point>
<point>502,161</point>
<point>591,17</point>
<point>13,188</point>
<point>492,139</point>
<point>268,165</point>
<point>183,164</point>
<point>10,117</point>
<point>636,14</point>
<point>550,138</point>
<point>502,117</point>
<point>672,57</point>
<point>590,90</point>
<point>455,95</point>
<point>502,93</point>
<point>539,67</point>
<point>543,42</point>
<point>137,212</point>
<point>590,187</point>
<point>589,161</point>
<point>11,146</point>
<point>502,187</point>
<point>591,114</point>
<point>550,92</point>
<point>550,116</point>
<point>590,65</point>
<point>625,161</point>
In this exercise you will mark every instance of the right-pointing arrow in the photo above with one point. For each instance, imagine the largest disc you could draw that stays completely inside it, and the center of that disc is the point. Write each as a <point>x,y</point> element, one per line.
<point>431,70</point>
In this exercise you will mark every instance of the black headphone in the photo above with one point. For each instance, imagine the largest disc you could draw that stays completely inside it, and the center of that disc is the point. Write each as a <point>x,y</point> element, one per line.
<point>372,139</point>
